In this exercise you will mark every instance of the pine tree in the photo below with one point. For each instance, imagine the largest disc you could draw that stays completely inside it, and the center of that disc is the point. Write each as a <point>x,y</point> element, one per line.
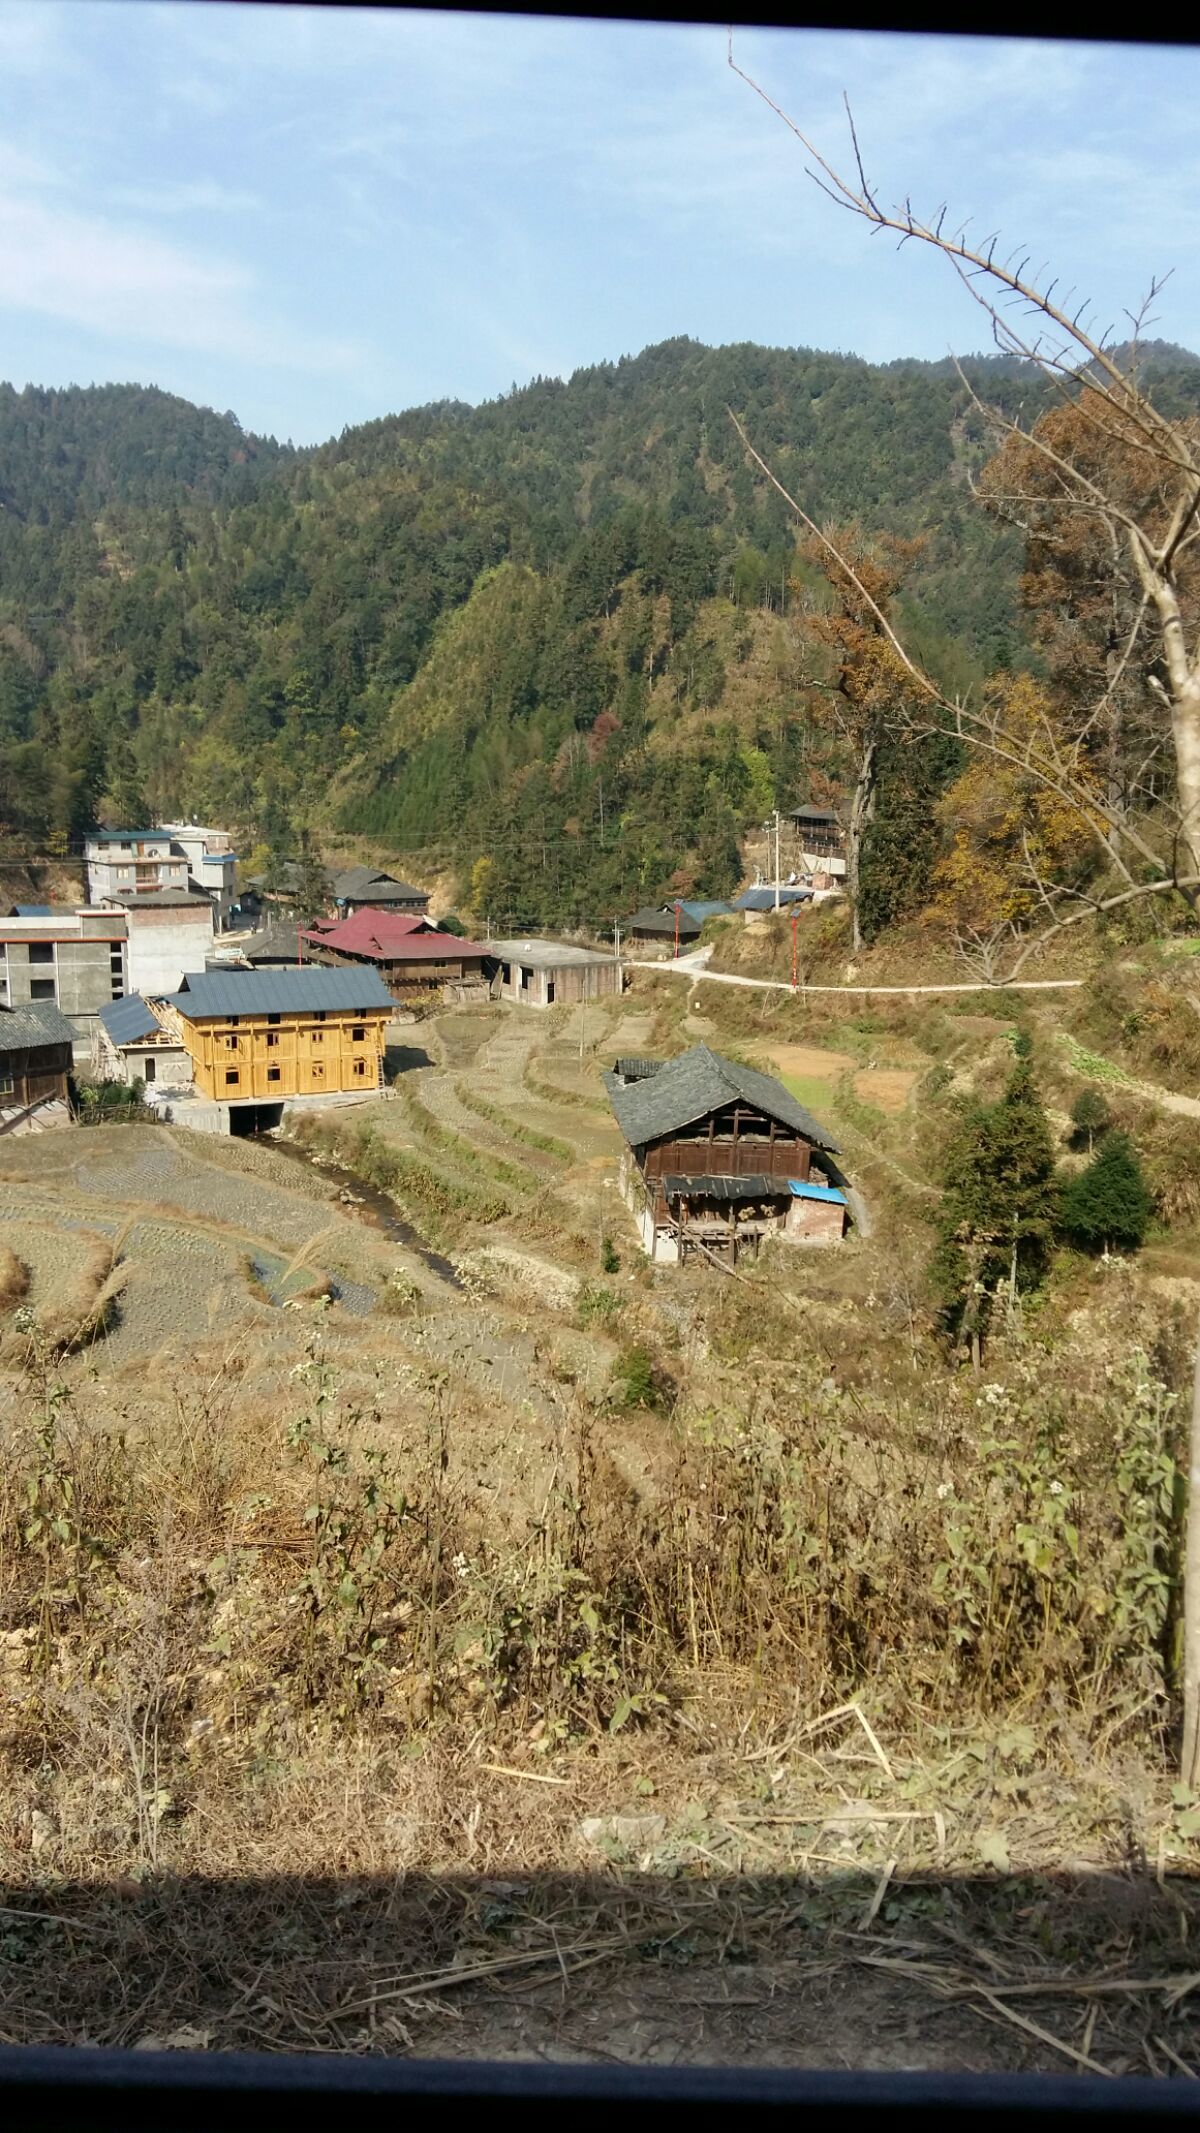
<point>998,1207</point>
<point>1109,1202</point>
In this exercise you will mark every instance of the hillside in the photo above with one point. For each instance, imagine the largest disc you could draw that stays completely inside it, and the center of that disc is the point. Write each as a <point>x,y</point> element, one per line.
<point>556,633</point>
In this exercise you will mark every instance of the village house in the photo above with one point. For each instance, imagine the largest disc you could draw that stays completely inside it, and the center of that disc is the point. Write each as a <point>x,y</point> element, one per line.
<point>553,973</point>
<point>211,863</point>
<point>36,1057</point>
<point>357,888</point>
<point>818,840</point>
<point>410,954</point>
<point>662,926</point>
<point>169,933</point>
<point>130,1044</point>
<point>127,863</point>
<point>74,960</point>
<point>718,1156</point>
<point>257,1039</point>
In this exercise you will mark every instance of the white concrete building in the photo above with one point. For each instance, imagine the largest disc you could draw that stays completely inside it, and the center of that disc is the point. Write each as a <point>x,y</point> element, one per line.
<point>169,937</point>
<point>212,864</point>
<point>127,863</point>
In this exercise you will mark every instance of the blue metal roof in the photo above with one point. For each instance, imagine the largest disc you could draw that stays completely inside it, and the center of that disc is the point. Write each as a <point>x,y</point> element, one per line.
<point>305,991</point>
<point>703,910</point>
<point>33,911</point>
<point>764,899</point>
<point>128,1019</point>
<point>801,1189</point>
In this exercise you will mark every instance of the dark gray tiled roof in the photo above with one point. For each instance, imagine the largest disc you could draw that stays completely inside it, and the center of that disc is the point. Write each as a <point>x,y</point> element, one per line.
<point>355,883</point>
<point>306,991</point>
<point>129,1018</point>
<point>696,1083</point>
<point>651,920</point>
<point>275,944</point>
<point>35,1022</point>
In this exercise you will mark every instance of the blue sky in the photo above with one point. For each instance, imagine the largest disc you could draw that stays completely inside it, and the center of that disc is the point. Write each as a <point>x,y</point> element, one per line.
<point>317,218</point>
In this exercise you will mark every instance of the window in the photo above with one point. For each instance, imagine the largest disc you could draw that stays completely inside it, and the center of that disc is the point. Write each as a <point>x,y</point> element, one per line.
<point>272,1019</point>
<point>272,1043</point>
<point>148,1067</point>
<point>360,1067</point>
<point>118,986</point>
<point>272,1073</point>
<point>231,1044</point>
<point>41,988</point>
<point>358,1035</point>
<point>234,1020</point>
<point>41,951</point>
<point>320,1016</point>
<point>232,1078</point>
<point>318,1036</point>
<point>549,992</point>
<point>6,1082</point>
<point>318,1073</point>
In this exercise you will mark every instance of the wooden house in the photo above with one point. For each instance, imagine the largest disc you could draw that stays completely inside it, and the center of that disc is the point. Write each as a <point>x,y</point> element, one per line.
<point>368,888</point>
<point>262,1036</point>
<point>409,953</point>
<point>718,1156</point>
<point>36,1054</point>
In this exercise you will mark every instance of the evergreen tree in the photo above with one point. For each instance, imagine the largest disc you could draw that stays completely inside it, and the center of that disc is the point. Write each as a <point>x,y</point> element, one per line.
<point>998,1206</point>
<point>311,894</point>
<point>1109,1202</point>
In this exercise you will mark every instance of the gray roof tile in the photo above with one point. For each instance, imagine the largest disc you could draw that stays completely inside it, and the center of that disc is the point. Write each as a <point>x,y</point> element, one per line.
<point>697,1082</point>
<point>34,1023</point>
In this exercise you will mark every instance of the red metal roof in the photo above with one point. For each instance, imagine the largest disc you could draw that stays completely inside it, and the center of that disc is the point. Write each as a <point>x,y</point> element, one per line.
<point>393,937</point>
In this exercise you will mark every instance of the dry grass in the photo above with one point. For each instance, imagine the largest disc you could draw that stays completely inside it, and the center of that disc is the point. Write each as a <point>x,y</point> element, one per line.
<point>14,1279</point>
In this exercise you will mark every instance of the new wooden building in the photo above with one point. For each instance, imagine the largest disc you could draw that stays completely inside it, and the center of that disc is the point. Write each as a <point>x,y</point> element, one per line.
<point>263,1036</point>
<point>719,1156</point>
<point>409,953</point>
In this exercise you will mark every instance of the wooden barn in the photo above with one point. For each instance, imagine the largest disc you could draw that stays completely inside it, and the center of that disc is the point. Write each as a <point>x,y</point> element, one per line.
<point>717,1157</point>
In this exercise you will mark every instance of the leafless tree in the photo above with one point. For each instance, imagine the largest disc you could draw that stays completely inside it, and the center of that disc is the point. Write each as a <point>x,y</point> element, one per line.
<point>1118,462</point>
<point>1126,466</point>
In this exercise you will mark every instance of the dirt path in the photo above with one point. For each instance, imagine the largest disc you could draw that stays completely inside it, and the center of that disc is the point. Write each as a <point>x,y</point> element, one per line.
<point>694,967</point>
<point>1166,1099</point>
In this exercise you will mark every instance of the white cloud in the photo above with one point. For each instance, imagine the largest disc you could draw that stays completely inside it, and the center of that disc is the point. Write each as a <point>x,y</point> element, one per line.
<point>118,281</point>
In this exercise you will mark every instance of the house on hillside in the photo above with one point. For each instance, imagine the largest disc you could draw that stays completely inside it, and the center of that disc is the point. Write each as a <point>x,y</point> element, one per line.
<point>553,973</point>
<point>36,1055</point>
<point>278,946</point>
<point>791,897</point>
<point>661,925</point>
<point>258,1038</point>
<point>131,1044</point>
<point>357,887</point>
<point>169,933</point>
<point>718,1156</point>
<point>72,959</point>
<point>127,863</point>
<point>818,840</point>
<point>409,953</point>
<point>212,865</point>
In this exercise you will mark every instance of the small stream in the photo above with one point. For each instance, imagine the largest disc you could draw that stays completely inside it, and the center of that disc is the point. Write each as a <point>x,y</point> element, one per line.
<point>370,1204</point>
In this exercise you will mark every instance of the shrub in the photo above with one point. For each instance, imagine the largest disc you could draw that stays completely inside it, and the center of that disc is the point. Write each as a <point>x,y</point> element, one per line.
<point>1109,1202</point>
<point>633,1378</point>
<point>610,1258</point>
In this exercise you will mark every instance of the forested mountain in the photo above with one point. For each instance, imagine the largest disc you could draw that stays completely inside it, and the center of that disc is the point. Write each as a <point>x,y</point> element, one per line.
<point>559,634</point>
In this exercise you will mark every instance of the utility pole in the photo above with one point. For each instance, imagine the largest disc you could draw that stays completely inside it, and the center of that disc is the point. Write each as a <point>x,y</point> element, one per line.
<point>677,932</point>
<point>617,939</point>
<point>773,824</point>
<point>795,951</point>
